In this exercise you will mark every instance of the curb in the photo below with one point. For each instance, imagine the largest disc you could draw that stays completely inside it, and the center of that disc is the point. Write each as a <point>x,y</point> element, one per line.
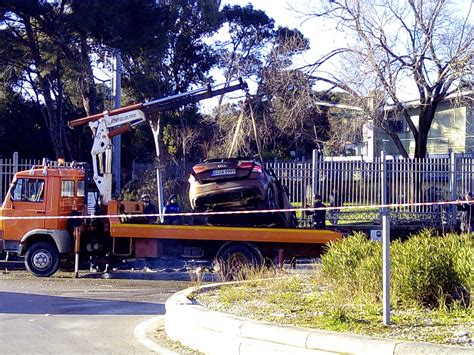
<point>212,332</point>
<point>142,331</point>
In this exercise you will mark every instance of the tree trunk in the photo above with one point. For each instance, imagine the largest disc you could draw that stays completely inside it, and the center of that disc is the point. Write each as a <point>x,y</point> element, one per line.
<point>54,123</point>
<point>426,117</point>
<point>53,119</point>
<point>398,143</point>
<point>89,89</point>
<point>156,130</point>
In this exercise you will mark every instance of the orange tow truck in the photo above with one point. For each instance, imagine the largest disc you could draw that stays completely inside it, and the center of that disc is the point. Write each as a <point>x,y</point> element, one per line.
<point>46,215</point>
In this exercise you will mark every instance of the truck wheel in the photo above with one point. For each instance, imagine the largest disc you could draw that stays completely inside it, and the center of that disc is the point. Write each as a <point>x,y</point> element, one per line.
<point>42,259</point>
<point>237,260</point>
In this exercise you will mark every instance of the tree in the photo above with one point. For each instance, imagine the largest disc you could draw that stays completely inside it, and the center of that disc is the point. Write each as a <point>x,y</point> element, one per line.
<point>29,56</point>
<point>249,32</point>
<point>291,103</point>
<point>285,106</point>
<point>49,49</point>
<point>396,45</point>
<point>29,143</point>
<point>171,63</point>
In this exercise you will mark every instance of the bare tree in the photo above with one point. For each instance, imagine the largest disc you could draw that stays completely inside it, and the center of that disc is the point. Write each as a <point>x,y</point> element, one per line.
<point>284,107</point>
<point>288,102</point>
<point>395,46</point>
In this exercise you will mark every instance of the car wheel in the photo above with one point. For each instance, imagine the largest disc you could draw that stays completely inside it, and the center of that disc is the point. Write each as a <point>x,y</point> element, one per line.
<point>42,259</point>
<point>270,199</point>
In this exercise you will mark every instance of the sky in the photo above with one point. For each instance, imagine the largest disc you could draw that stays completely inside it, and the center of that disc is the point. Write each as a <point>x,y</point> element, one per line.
<point>322,34</point>
<point>322,37</point>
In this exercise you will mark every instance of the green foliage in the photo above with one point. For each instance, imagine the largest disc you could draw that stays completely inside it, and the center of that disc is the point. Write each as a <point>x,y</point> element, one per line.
<point>29,143</point>
<point>426,269</point>
<point>352,262</point>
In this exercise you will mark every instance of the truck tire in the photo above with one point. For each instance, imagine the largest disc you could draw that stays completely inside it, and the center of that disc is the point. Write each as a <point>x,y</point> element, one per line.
<point>237,260</point>
<point>42,259</point>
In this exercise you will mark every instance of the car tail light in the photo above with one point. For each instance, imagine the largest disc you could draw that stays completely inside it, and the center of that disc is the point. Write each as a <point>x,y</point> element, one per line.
<point>257,169</point>
<point>245,165</point>
<point>199,169</point>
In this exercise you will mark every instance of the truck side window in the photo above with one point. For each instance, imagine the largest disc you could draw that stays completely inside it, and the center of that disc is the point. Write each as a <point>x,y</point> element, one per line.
<point>67,188</point>
<point>81,188</point>
<point>28,190</point>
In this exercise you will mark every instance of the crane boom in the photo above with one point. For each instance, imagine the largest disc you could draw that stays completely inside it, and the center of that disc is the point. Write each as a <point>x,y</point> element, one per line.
<point>111,123</point>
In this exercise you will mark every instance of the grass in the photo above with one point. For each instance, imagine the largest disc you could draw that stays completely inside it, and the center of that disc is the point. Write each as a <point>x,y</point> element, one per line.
<point>306,302</point>
<point>344,294</point>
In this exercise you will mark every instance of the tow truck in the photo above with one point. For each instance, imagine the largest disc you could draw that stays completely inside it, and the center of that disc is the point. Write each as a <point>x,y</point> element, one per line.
<point>46,215</point>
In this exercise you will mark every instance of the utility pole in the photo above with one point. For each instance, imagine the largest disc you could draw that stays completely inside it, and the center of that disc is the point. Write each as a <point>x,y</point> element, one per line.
<point>116,141</point>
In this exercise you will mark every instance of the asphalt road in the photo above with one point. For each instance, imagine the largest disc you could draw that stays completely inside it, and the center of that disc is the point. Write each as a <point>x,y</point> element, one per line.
<point>63,315</point>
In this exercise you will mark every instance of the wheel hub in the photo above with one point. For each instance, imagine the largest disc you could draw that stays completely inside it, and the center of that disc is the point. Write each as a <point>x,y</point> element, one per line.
<point>42,259</point>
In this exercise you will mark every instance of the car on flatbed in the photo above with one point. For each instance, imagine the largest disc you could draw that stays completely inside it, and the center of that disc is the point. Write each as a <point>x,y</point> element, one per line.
<point>239,184</point>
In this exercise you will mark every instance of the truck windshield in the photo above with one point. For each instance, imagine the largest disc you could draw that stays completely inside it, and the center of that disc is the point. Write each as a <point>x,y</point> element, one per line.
<point>28,190</point>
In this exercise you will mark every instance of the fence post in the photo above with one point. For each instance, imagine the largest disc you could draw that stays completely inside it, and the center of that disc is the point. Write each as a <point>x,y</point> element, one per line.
<point>386,243</point>
<point>453,169</point>
<point>313,170</point>
<point>15,162</point>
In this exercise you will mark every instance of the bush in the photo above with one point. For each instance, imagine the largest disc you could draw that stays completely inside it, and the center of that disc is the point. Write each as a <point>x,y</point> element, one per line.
<point>353,264</point>
<point>428,269</point>
<point>425,270</point>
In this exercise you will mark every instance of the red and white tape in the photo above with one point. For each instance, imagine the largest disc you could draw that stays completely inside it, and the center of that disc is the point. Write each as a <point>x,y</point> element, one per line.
<point>213,213</point>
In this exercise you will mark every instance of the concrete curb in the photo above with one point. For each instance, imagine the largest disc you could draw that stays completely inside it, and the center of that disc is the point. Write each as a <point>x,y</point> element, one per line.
<point>211,332</point>
<point>142,335</point>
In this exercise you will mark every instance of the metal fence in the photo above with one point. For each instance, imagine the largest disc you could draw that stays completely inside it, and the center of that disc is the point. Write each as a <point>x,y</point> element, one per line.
<point>8,168</point>
<point>359,183</point>
<point>353,182</point>
<point>297,177</point>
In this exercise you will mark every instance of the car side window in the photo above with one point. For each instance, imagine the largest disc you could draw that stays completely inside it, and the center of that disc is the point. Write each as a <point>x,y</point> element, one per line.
<point>28,190</point>
<point>67,188</point>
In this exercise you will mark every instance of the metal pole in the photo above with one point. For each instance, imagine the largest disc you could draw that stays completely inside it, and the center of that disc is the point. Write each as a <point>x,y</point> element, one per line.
<point>386,243</point>
<point>116,141</point>
<point>315,161</point>
<point>453,188</point>
<point>159,191</point>
<point>77,247</point>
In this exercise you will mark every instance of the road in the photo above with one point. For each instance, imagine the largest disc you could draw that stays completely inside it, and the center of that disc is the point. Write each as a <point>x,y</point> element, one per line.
<point>63,315</point>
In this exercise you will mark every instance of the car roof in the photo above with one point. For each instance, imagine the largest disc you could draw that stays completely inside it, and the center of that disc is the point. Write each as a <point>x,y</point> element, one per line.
<point>214,160</point>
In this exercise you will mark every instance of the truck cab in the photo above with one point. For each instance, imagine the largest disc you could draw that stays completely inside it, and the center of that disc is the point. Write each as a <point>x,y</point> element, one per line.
<point>35,213</point>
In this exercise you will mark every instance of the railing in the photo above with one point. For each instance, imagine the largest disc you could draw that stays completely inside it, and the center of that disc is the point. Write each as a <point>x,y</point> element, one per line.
<point>435,179</point>
<point>354,182</point>
<point>8,168</point>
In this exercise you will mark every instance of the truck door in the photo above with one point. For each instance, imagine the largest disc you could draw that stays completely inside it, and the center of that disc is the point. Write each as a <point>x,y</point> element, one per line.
<point>25,199</point>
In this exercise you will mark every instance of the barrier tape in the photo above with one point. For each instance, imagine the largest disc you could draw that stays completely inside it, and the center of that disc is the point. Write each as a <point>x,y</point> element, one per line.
<point>213,213</point>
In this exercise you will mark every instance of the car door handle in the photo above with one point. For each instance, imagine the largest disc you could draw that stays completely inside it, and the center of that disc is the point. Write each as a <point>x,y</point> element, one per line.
<point>42,212</point>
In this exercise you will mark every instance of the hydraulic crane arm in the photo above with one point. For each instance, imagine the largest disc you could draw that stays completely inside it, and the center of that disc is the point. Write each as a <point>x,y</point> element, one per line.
<point>162,104</point>
<point>111,123</point>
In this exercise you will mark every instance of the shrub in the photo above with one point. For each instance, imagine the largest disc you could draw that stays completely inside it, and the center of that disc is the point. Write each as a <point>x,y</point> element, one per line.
<point>426,270</point>
<point>353,264</point>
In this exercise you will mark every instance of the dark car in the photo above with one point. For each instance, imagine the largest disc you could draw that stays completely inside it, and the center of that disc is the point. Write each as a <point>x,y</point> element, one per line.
<point>237,184</point>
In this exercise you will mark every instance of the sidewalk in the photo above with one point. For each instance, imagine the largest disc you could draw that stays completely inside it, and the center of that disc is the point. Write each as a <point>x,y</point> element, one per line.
<point>212,332</point>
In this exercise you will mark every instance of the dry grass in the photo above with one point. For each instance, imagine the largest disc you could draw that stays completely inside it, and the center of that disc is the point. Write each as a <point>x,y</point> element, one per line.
<point>307,301</point>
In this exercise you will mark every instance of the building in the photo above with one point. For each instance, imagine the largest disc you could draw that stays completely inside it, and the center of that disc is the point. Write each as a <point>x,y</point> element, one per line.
<point>452,130</point>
